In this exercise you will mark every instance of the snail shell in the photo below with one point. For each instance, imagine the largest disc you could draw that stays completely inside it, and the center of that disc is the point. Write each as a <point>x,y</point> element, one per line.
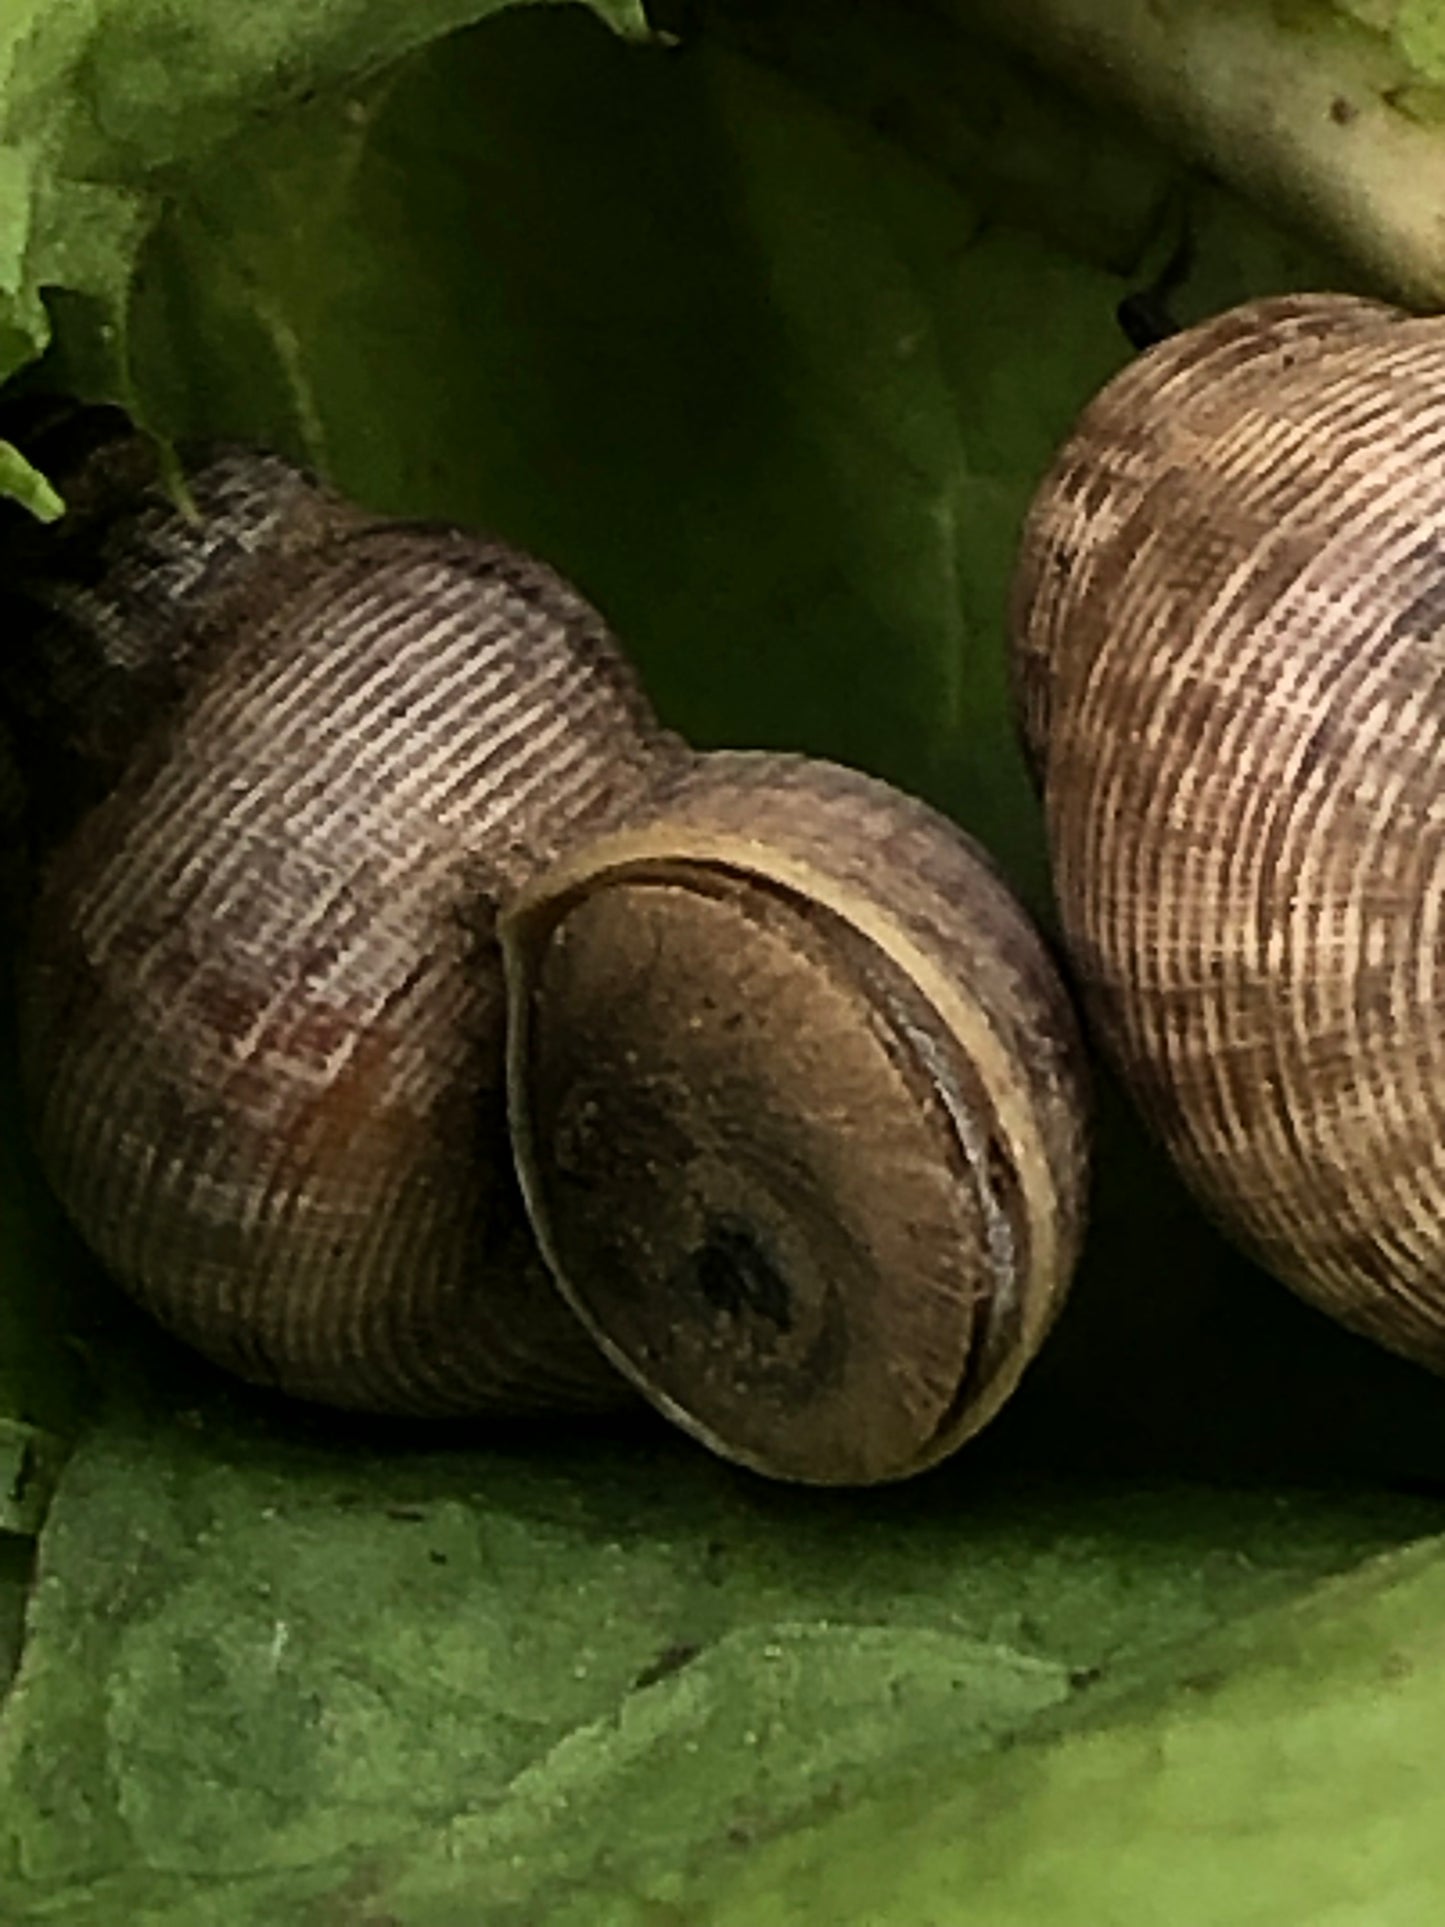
<point>262,1010</point>
<point>1230,659</point>
<point>798,1109</point>
<point>795,1095</point>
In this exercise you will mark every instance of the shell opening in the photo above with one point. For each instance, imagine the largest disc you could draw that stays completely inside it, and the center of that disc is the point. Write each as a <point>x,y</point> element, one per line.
<point>769,1174</point>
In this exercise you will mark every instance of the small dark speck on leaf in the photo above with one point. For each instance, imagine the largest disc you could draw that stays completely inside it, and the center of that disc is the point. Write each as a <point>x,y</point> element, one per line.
<point>1343,111</point>
<point>437,1558</point>
<point>352,1904</point>
<point>409,1514</point>
<point>1085,1675</point>
<point>24,1473</point>
<point>1209,1682</point>
<point>671,1659</point>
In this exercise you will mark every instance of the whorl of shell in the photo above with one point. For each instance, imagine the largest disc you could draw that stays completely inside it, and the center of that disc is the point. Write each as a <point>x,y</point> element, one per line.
<point>262,1006</point>
<point>1230,658</point>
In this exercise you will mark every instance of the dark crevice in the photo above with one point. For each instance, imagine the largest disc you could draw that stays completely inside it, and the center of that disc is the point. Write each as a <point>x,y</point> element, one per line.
<point>17,1570</point>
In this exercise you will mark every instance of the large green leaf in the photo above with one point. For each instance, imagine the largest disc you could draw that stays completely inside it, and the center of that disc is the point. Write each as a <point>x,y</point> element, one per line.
<point>764,338</point>
<point>552,1667</point>
<point>1284,1778</point>
<point>104,103</point>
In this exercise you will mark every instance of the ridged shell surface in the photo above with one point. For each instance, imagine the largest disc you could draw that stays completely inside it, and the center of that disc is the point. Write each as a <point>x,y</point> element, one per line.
<point>262,1006</point>
<point>1230,663</point>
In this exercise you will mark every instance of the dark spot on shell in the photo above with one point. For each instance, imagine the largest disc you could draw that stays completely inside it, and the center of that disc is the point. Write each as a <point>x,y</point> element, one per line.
<point>1423,617</point>
<point>736,1276</point>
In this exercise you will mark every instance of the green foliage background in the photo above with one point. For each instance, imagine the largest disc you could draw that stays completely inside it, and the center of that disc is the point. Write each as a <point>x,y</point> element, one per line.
<point>763,333</point>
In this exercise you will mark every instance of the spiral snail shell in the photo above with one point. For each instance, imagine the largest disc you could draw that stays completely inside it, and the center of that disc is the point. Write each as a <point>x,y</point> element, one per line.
<point>260,1009</point>
<point>796,1096</point>
<point>1230,665</point>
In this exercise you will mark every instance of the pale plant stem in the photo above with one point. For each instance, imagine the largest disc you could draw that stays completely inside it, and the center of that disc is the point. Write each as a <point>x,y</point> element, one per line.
<point>1317,117</point>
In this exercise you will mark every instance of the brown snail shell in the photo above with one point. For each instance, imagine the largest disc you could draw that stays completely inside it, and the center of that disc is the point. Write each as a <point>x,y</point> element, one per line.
<point>261,1009</point>
<point>797,1106</point>
<point>795,1094</point>
<point>1229,623</point>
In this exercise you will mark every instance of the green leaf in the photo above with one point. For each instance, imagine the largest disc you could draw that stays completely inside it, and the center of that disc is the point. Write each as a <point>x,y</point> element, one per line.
<point>1327,111</point>
<point>556,1665</point>
<point>1284,1776</point>
<point>20,480</point>
<point>104,103</point>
